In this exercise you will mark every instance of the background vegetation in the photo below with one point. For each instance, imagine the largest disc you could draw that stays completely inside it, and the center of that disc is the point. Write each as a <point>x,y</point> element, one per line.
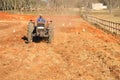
<point>32,5</point>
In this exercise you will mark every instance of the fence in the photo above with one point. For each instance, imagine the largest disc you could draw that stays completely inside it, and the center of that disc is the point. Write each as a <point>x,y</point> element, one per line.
<point>113,27</point>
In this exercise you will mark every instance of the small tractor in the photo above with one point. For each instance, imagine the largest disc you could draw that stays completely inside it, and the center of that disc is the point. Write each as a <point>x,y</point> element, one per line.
<point>44,31</point>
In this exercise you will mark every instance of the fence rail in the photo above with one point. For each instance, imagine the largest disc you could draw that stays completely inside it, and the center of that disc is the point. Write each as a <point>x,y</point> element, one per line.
<point>113,27</point>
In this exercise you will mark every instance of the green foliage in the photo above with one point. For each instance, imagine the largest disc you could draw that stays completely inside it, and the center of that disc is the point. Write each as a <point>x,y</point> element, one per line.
<point>21,4</point>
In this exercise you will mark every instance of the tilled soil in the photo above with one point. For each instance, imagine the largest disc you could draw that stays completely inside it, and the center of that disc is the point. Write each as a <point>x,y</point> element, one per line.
<point>79,51</point>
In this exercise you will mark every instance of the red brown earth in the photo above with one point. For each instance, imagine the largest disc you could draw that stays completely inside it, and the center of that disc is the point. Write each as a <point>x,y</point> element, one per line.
<point>79,51</point>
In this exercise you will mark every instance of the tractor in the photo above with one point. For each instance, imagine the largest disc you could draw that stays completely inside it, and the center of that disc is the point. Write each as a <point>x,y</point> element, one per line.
<point>45,31</point>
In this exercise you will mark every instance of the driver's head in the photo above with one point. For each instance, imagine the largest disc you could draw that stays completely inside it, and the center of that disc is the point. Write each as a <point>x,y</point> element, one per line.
<point>40,16</point>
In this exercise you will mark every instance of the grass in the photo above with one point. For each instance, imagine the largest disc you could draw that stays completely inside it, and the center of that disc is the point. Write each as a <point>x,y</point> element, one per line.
<point>104,14</point>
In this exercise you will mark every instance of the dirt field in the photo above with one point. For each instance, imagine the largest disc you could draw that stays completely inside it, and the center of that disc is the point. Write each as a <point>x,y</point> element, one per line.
<point>79,51</point>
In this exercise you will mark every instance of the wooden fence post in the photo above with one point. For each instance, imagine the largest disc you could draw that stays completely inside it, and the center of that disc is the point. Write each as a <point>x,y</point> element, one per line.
<point>108,25</point>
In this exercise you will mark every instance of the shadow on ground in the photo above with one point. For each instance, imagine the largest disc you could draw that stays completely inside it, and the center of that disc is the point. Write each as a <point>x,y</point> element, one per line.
<point>35,39</point>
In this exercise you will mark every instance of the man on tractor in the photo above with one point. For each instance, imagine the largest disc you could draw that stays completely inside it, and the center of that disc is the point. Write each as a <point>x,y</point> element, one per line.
<point>41,21</point>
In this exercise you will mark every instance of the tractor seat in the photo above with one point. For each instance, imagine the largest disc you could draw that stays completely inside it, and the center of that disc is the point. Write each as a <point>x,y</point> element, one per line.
<point>41,24</point>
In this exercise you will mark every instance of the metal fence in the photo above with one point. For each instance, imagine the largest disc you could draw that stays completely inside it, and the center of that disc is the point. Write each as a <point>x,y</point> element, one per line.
<point>113,27</point>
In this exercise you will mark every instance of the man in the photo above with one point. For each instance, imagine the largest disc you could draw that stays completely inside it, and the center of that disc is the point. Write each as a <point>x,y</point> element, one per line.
<point>41,21</point>
<point>30,30</point>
